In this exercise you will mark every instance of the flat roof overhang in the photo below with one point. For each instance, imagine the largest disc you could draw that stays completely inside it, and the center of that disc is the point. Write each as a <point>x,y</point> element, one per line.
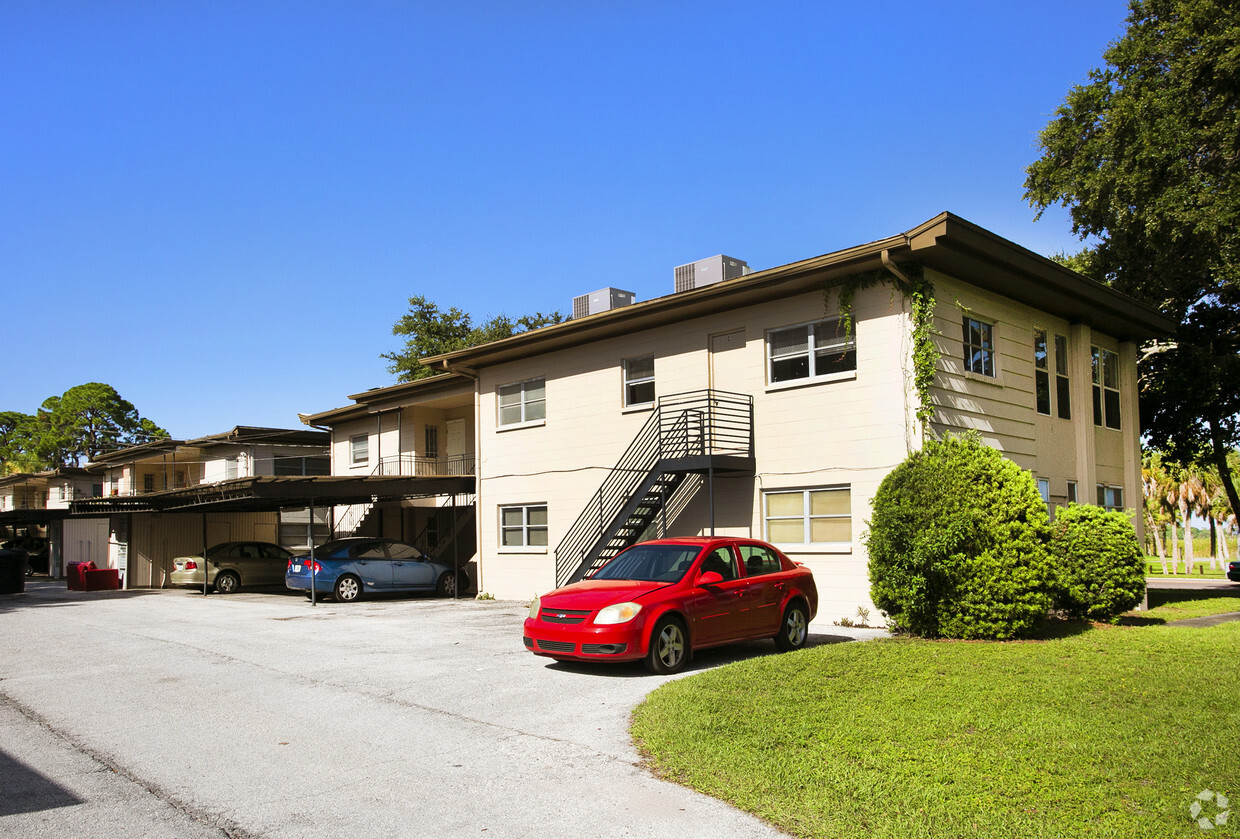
<point>268,494</point>
<point>33,516</point>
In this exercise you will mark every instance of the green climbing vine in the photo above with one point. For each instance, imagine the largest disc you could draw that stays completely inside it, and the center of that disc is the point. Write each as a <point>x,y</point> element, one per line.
<point>920,294</point>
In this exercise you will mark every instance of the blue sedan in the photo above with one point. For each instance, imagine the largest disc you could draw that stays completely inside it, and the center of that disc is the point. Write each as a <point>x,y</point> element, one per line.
<point>348,568</point>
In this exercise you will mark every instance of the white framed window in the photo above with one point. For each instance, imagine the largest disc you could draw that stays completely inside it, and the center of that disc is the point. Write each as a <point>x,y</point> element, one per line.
<point>1063,396</point>
<point>1111,497</point>
<point>812,516</point>
<point>818,350</point>
<point>359,449</point>
<point>1044,491</point>
<point>979,347</point>
<point>1105,366</point>
<point>522,403</point>
<point>639,381</point>
<point>430,447</point>
<point>523,526</point>
<point>1041,372</point>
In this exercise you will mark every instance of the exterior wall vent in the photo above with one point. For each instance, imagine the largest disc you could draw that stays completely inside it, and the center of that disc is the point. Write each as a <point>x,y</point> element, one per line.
<point>603,300</point>
<point>709,271</point>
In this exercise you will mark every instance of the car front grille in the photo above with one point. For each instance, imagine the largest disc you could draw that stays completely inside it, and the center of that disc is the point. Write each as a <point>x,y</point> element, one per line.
<point>557,646</point>
<point>603,649</point>
<point>564,615</point>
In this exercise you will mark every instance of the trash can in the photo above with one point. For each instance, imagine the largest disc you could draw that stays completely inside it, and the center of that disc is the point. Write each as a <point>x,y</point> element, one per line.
<point>13,565</point>
<point>76,573</point>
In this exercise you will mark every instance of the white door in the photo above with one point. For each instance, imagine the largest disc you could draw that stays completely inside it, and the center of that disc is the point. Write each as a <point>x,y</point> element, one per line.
<point>727,362</point>
<point>459,446</point>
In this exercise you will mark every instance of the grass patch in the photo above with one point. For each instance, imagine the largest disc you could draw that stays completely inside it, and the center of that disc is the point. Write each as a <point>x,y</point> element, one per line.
<point>1202,570</point>
<point>1172,605</point>
<point>1107,732</point>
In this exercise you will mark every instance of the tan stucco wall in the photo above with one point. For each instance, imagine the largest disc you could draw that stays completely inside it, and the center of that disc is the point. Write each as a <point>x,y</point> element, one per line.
<point>844,432</point>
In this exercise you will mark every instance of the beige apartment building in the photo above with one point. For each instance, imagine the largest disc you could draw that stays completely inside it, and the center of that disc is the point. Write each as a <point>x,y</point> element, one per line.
<point>742,404</point>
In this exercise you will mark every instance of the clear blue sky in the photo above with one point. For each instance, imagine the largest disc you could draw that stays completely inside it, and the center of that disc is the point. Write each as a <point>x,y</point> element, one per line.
<point>221,208</point>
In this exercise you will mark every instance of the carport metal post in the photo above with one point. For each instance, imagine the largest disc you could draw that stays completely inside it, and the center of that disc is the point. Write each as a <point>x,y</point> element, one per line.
<point>204,554</point>
<point>313,601</point>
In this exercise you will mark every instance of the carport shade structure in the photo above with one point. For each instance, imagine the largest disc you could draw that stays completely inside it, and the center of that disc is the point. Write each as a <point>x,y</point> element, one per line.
<point>270,494</point>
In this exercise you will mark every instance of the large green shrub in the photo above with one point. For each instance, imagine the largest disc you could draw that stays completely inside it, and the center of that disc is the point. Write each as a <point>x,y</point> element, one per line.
<point>1099,568</point>
<point>957,544</point>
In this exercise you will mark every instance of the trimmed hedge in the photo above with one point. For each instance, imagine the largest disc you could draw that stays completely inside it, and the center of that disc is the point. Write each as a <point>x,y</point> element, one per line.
<point>957,544</point>
<point>1099,565</point>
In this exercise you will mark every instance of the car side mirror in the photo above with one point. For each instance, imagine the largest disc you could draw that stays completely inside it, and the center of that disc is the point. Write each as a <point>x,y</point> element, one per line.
<point>710,578</point>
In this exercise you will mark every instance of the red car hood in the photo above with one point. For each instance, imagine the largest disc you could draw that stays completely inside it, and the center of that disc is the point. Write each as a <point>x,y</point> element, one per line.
<point>595,594</point>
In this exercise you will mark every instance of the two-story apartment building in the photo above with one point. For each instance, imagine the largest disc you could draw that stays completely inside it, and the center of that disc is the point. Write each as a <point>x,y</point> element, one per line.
<point>424,431</point>
<point>751,406</point>
<point>155,504</point>
<point>37,504</point>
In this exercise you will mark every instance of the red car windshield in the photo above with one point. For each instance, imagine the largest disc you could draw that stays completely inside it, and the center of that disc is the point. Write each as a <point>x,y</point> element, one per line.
<point>653,563</point>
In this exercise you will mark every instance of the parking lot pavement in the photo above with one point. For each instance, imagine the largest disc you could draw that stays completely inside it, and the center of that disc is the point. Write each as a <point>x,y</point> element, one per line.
<point>257,715</point>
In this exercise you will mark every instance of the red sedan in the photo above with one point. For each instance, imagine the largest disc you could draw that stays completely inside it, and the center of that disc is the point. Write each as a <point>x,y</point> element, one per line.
<point>661,600</point>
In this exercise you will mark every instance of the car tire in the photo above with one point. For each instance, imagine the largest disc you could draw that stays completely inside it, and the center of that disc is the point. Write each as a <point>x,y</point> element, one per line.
<point>450,584</point>
<point>669,647</point>
<point>347,589</point>
<point>793,628</point>
<point>227,582</point>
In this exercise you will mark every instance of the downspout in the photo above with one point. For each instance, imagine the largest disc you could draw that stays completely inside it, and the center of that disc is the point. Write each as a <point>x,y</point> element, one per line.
<point>469,373</point>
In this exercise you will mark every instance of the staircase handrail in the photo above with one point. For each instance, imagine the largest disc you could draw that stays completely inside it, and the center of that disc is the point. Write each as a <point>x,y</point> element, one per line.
<point>682,425</point>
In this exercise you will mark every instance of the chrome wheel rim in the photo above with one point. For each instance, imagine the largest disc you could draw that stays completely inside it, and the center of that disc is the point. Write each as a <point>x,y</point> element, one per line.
<point>449,586</point>
<point>226,584</point>
<point>347,589</point>
<point>796,628</point>
<point>671,645</point>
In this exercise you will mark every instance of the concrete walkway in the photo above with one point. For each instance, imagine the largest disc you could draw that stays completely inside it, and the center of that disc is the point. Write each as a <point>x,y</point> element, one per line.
<point>1209,620</point>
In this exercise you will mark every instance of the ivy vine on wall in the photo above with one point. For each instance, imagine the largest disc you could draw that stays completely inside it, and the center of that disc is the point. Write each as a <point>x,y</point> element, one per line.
<point>919,293</point>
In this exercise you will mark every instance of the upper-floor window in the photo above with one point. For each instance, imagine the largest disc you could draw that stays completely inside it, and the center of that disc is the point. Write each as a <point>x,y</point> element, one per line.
<point>1106,387</point>
<point>811,351</point>
<point>431,442</point>
<point>979,347</point>
<point>639,381</point>
<point>523,402</point>
<point>821,515</point>
<point>1042,374</point>
<point>359,449</point>
<point>148,483</point>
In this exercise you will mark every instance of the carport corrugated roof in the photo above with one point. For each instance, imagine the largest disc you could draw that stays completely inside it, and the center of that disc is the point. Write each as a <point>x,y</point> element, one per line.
<point>250,495</point>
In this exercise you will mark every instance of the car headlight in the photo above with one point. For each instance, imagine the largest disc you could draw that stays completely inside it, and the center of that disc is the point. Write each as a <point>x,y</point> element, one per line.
<point>534,607</point>
<point>618,613</point>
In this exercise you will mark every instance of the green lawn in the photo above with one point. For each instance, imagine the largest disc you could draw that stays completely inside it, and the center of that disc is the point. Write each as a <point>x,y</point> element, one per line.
<point>1169,605</point>
<point>1102,732</point>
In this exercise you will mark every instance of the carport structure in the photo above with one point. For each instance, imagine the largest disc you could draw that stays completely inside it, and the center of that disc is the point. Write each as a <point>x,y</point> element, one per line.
<point>151,528</point>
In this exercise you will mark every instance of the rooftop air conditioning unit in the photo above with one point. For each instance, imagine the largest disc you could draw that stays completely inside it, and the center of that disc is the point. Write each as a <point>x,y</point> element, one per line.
<point>603,300</point>
<point>709,271</point>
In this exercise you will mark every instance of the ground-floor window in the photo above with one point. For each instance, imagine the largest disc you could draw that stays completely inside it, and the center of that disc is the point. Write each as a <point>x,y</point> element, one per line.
<point>296,530</point>
<point>523,526</point>
<point>1111,497</point>
<point>811,516</point>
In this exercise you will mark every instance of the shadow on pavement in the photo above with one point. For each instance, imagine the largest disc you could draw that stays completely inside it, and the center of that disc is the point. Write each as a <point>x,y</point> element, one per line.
<point>28,791</point>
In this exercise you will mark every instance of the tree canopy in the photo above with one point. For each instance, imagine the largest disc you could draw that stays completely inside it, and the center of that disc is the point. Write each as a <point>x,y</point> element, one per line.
<point>429,330</point>
<point>1145,155</point>
<point>77,426</point>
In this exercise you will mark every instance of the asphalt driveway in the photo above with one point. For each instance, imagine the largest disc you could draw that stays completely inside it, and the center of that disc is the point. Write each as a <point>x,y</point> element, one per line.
<point>255,715</point>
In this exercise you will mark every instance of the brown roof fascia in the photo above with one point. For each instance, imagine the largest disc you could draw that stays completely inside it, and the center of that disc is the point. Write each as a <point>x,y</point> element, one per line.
<point>793,278</point>
<point>946,242</point>
<point>392,396</point>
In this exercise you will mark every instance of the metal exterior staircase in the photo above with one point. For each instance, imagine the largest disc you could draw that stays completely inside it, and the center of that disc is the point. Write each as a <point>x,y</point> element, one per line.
<point>700,432</point>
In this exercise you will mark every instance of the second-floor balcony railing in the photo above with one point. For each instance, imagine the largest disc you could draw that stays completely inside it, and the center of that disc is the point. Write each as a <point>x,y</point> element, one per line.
<point>426,467</point>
